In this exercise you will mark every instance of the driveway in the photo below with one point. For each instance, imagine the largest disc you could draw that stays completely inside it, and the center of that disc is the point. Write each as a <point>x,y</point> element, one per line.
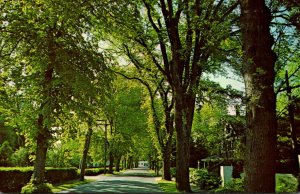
<point>137,180</point>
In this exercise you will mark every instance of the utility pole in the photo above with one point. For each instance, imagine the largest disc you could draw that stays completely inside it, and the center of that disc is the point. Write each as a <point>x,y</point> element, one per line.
<point>105,145</point>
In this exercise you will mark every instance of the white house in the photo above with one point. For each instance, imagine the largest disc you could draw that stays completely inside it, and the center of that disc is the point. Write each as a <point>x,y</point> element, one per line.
<point>143,164</point>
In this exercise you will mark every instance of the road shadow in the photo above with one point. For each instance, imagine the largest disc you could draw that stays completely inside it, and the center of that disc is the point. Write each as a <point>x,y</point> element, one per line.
<point>117,186</point>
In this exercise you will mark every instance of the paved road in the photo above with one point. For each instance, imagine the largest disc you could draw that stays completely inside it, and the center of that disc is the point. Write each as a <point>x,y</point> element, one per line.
<point>131,181</point>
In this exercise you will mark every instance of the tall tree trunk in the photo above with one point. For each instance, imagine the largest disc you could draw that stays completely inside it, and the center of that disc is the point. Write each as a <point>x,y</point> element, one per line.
<point>167,163</point>
<point>167,150</point>
<point>86,150</point>
<point>111,163</point>
<point>184,110</point>
<point>124,165</point>
<point>38,176</point>
<point>129,162</point>
<point>258,72</point>
<point>118,160</point>
<point>291,113</point>
<point>43,135</point>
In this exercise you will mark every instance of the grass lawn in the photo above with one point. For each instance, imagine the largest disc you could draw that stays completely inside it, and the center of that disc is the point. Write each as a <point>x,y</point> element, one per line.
<point>168,186</point>
<point>69,184</point>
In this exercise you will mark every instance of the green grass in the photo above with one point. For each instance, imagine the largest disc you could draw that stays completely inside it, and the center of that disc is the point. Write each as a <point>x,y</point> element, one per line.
<point>68,185</point>
<point>168,186</point>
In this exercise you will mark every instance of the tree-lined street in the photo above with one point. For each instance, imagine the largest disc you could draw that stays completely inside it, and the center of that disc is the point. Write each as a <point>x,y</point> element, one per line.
<point>97,87</point>
<point>137,180</point>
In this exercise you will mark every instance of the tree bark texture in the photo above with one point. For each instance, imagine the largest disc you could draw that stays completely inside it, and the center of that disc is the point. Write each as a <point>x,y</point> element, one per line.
<point>184,111</point>
<point>111,163</point>
<point>43,134</point>
<point>291,113</point>
<point>38,176</point>
<point>85,151</point>
<point>258,73</point>
<point>118,161</point>
<point>167,161</point>
<point>125,163</point>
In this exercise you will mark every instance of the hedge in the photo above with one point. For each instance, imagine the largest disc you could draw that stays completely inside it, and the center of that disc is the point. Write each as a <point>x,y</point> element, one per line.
<point>14,178</point>
<point>94,171</point>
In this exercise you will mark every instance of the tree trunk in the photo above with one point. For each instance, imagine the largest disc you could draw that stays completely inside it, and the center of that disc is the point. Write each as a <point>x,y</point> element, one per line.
<point>169,124</point>
<point>167,161</point>
<point>85,151</point>
<point>157,168</point>
<point>184,110</point>
<point>129,163</point>
<point>118,160</point>
<point>38,176</point>
<point>258,72</point>
<point>124,165</point>
<point>111,163</point>
<point>291,113</point>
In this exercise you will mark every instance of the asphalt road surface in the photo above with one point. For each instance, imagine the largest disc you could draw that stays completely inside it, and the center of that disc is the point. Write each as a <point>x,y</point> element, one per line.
<point>137,180</point>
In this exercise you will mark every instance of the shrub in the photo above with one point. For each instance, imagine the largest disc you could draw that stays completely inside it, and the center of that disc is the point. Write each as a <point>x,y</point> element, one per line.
<point>94,171</point>
<point>5,153</point>
<point>173,171</point>
<point>20,157</point>
<point>13,179</point>
<point>32,188</point>
<point>57,175</point>
<point>204,180</point>
<point>286,183</point>
<point>235,186</point>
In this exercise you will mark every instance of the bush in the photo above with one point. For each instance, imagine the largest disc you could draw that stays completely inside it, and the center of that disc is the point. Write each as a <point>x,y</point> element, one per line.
<point>204,180</point>
<point>94,171</point>
<point>58,175</point>
<point>20,157</point>
<point>13,179</point>
<point>5,153</point>
<point>32,188</point>
<point>286,183</point>
<point>236,186</point>
<point>173,171</point>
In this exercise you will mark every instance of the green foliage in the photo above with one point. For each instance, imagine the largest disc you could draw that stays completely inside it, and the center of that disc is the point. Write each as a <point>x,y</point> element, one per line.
<point>128,135</point>
<point>204,180</point>
<point>235,186</point>
<point>20,157</point>
<point>94,171</point>
<point>62,153</point>
<point>5,153</point>
<point>14,178</point>
<point>32,188</point>
<point>286,183</point>
<point>173,171</point>
<point>56,66</point>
